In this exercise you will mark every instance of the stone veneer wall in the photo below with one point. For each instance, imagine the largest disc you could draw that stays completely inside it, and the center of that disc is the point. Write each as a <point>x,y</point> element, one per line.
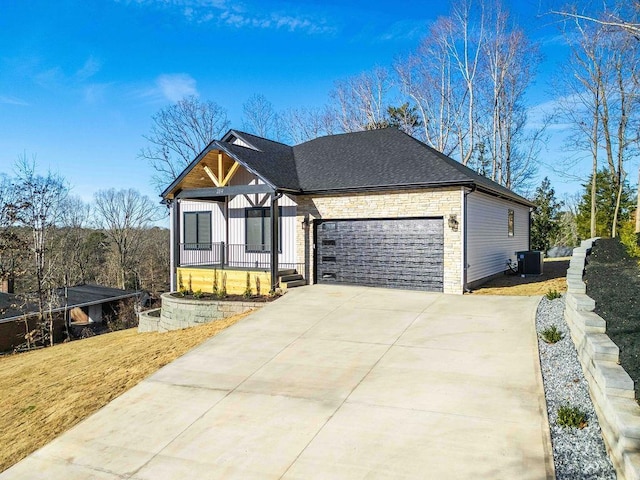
<point>180,313</point>
<point>440,202</point>
<point>610,386</point>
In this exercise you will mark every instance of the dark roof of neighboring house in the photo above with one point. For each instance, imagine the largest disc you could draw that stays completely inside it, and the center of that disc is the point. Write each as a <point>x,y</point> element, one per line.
<point>13,305</point>
<point>370,160</point>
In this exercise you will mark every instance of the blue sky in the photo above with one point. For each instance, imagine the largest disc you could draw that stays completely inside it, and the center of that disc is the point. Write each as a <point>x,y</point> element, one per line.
<point>80,80</point>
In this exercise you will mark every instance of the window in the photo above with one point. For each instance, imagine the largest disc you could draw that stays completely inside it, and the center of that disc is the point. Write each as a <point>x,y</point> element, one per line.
<point>258,229</point>
<point>197,230</point>
<point>510,223</point>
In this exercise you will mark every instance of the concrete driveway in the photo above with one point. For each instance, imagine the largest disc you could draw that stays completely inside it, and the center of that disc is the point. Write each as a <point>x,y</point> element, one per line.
<point>331,383</point>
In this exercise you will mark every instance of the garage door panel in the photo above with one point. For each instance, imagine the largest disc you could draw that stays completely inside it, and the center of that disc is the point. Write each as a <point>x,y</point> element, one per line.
<point>398,253</point>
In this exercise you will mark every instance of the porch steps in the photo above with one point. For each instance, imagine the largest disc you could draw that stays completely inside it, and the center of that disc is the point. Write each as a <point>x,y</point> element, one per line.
<point>290,278</point>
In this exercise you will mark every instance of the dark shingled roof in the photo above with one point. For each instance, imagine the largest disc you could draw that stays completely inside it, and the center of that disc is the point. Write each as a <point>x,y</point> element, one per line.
<point>12,306</point>
<point>371,160</point>
<point>274,162</point>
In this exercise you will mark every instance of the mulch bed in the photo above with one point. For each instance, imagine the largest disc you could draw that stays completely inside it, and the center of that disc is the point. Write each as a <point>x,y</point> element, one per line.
<point>613,281</point>
<point>229,298</point>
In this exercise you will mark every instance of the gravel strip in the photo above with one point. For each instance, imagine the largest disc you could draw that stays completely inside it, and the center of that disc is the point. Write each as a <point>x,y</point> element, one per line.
<point>577,454</point>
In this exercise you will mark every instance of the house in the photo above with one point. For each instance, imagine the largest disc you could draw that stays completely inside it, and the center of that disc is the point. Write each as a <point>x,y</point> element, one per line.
<point>77,305</point>
<point>375,208</point>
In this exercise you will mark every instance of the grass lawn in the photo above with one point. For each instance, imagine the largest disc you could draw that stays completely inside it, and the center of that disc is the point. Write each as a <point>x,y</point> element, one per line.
<point>46,392</point>
<point>554,277</point>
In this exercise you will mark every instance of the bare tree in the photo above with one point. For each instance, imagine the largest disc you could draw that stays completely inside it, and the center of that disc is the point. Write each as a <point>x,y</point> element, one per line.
<point>601,101</point>
<point>302,124</point>
<point>179,133</point>
<point>467,82</point>
<point>510,60</point>
<point>259,117</point>
<point>40,199</point>
<point>360,102</point>
<point>12,246</point>
<point>125,215</point>
<point>620,16</point>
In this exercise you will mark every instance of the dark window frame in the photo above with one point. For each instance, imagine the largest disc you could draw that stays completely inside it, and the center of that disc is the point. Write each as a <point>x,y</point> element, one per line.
<point>197,245</point>
<point>511,223</point>
<point>266,213</point>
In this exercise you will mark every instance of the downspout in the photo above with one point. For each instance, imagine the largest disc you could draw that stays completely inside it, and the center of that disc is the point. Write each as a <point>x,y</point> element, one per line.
<point>275,238</point>
<point>465,288</point>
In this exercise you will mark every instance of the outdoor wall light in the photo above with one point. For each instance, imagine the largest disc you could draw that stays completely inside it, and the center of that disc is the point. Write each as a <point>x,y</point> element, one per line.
<point>305,222</point>
<point>453,222</point>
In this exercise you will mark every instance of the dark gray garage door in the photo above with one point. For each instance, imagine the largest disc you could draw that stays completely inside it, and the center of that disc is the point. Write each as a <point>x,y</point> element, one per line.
<point>396,253</point>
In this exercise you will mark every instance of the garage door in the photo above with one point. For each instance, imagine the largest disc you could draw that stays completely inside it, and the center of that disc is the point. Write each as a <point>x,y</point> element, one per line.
<point>396,253</point>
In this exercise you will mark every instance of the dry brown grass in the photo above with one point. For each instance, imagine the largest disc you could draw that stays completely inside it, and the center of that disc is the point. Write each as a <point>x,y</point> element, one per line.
<point>46,392</point>
<point>553,278</point>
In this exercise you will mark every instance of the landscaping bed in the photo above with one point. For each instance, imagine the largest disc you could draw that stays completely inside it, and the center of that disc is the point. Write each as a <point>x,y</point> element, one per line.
<point>226,298</point>
<point>613,281</point>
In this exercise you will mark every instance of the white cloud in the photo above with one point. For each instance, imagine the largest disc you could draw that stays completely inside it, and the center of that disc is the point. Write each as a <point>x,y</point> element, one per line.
<point>9,100</point>
<point>176,86</point>
<point>239,15</point>
<point>89,69</point>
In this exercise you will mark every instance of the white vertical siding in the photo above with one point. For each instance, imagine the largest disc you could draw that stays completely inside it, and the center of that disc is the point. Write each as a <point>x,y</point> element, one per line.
<point>488,244</point>
<point>236,222</point>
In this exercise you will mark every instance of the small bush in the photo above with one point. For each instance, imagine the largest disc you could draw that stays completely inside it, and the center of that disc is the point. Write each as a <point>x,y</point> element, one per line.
<point>571,417</point>
<point>124,316</point>
<point>630,239</point>
<point>551,334</point>
<point>222,293</point>
<point>247,290</point>
<point>215,282</point>
<point>258,285</point>
<point>552,294</point>
<point>198,294</point>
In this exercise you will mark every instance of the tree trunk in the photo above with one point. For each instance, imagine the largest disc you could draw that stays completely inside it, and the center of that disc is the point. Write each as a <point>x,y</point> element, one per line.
<point>638,204</point>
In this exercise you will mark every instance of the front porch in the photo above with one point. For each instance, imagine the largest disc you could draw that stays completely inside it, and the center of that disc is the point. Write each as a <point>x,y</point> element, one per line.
<point>204,266</point>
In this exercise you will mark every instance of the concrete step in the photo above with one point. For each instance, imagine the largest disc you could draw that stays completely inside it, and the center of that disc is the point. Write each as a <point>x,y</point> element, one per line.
<point>288,271</point>
<point>294,283</point>
<point>291,277</point>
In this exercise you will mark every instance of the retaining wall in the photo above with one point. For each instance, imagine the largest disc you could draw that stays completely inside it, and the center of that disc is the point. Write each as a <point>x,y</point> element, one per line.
<point>610,386</point>
<point>177,313</point>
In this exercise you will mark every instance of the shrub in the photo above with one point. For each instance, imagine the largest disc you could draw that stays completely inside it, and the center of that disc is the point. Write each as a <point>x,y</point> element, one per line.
<point>552,294</point>
<point>214,290</point>
<point>124,316</point>
<point>198,294</point>
<point>630,239</point>
<point>258,285</point>
<point>571,417</point>
<point>247,290</point>
<point>551,334</point>
<point>223,289</point>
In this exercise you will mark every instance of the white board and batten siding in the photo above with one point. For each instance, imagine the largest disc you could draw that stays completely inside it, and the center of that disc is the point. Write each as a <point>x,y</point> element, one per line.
<point>489,245</point>
<point>236,212</point>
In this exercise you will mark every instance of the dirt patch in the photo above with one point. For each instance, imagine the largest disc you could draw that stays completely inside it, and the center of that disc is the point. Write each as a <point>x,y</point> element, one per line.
<point>613,281</point>
<point>46,392</point>
<point>554,277</point>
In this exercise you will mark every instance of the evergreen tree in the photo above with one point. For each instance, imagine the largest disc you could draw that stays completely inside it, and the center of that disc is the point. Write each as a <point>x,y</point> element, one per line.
<point>606,195</point>
<point>545,219</point>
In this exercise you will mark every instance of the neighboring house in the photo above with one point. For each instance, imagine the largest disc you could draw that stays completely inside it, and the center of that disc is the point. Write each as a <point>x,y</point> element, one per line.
<point>79,305</point>
<point>375,208</point>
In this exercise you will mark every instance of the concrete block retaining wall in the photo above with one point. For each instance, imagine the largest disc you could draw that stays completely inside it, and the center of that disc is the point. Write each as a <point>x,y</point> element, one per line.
<point>610,386</point>
<point>177,313</point>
